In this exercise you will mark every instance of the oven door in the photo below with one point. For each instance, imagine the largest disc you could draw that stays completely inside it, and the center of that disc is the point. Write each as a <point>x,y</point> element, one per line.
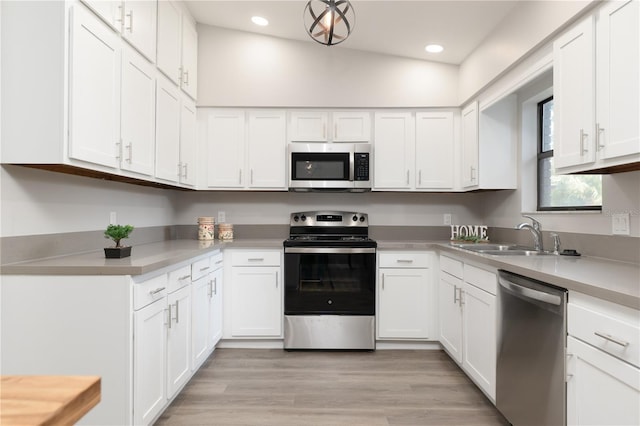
<point>329,281</point>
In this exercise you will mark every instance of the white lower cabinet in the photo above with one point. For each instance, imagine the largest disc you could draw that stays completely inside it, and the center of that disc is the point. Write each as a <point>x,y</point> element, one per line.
<point>178,340</point>
<point>215,305</point>
<point>603,369</point>
<point>467,306</point>
<point>405,295</point>
<point>255,291</point>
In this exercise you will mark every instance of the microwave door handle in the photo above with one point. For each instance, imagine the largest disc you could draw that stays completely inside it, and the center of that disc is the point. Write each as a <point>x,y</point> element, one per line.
<point>351,165</point>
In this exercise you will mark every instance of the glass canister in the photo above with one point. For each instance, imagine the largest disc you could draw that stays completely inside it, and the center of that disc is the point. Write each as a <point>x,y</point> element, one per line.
<point>225,231</point>
<point>206,228</point>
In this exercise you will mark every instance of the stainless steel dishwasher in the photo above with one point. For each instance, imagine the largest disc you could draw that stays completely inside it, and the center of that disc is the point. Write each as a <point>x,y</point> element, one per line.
<point>530,370</point>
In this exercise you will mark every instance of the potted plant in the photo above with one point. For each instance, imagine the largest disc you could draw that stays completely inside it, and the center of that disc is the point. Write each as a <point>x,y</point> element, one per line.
<point>117,233</point>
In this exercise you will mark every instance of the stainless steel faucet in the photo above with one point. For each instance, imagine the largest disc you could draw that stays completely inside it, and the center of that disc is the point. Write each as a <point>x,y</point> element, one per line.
<point>535,229</point>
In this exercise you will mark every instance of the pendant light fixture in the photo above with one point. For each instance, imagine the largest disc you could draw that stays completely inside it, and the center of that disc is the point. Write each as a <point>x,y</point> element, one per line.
<point>329,22</point>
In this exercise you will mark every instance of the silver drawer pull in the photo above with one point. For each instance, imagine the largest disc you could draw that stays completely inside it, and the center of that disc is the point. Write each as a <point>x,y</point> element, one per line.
<point>218,262</point>
<point>256,259</point>
<point>184,277</point>
<point>611,339</point>
<point>404,261</point>
<point>156,291</point>
<point>204,269</point>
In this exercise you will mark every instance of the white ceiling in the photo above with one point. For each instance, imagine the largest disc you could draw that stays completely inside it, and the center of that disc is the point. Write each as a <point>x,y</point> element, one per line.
<point>401,28</point>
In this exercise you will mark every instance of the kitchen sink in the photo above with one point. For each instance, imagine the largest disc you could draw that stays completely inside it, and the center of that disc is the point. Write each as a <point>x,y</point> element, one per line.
<point>502,249</point>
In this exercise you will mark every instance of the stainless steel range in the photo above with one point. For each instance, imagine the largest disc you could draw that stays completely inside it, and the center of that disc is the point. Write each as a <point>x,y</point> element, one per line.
<point>329,279</point>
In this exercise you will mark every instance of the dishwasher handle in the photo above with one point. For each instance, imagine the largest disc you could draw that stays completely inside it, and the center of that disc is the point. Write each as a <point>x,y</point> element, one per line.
<point>530,293</point>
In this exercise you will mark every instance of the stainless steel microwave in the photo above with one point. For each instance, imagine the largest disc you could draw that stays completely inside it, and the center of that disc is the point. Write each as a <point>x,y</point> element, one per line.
<point>330,166</point>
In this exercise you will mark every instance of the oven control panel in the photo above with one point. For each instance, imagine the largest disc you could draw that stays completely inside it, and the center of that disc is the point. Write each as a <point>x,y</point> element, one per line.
<point>317,219</point>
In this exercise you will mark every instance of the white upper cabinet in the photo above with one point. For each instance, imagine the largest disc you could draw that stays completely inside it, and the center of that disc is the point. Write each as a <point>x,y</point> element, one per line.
<point>351,126</point>
<point>169,39</point>
<point>225,145</point>
<point>597,92</point>
<point>189,78</point>
<point>138,113</point>
<point>434,150</point>
<point>308,126</point>
<point>139,26</point>
<point>470,153</point>
<point>168,165</point>
<point>324,126</point>
<point>266,139</point>
<point>393,150</point>
<point>135,20</point>
<point>94,90</point>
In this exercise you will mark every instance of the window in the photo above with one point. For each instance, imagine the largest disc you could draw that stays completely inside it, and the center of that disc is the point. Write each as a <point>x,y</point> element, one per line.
<point>561,192</point>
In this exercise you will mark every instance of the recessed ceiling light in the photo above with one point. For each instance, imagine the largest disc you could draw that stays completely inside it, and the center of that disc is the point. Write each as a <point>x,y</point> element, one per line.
<point>259,20</point>
<point>434,48</point>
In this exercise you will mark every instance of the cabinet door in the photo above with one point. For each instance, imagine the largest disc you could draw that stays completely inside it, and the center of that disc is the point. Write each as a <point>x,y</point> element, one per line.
<point>470,142</point>
<point>601,389</point>
<point>139,26</point>
<point>308,126</point>
<point>351,126</point>
<point>215,309</point>
<point>403,302</point>
<point>169,39</point>
<point>434,150</point>
<point>167,131</point>
<point>189,79</point>
<point>200,302</point>
<point>267,149</point>
<point>178,340</point>
<point>110,11</point>
<point>450,309</point>
<point>256,300</point>
<point>618,86</point>
<point>574,87</point>
<point>188,143</point>
<point>225,145</point>
<point>149,369</point>
<point>479,332</point>
<point>94,90</point>
<point>393,156</point>
<point>138,113</point>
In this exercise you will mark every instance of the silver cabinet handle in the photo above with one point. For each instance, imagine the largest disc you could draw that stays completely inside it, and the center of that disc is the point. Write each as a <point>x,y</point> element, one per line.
<point>177,311</point>
<point>156,291</point>
<point>255,259</point>
<point>419,177</point>
<point>185,170</point>
<point>276,279</point>
<point>472,173</point>
<point>611,339</point>
<point>170,317</point>
<point>219,262</point>
<point>130,148</point>
<point>186,77</point>
<point>460,296</point>
<point>383,281</point>
<point>119,150</point>
<point>130,16</point>
<point>180,74</point>
<point>455,298</point>
<point>184,277</point>
<point>599,130</point>
<point>120,15</point>
<point>215,286</point>
<point>404,260</point>
<point>209,289</point>
<point>583,147</point>
<point>179,169</point>
<point>407,177</point>
<point>205,268</point>
<point>251,177</point>
<point>240,176</point>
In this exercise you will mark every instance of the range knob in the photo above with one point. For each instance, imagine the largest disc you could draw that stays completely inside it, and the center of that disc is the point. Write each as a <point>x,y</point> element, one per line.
<point>361,218</point>
<point>355,218</point>
<point>296,218</point>
<point>303,218</point>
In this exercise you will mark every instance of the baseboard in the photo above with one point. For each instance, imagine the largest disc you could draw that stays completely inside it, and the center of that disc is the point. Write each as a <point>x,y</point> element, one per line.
<point>407,345</point>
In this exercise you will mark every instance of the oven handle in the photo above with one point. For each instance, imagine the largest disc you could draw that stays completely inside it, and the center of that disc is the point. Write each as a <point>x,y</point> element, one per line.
<point>329,250</point>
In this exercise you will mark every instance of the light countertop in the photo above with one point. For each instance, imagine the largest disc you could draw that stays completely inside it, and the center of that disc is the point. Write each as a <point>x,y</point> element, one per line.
<point>610,280</point>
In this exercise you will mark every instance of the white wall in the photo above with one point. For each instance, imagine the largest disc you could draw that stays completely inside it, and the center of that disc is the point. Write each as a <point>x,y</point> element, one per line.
<point>526,27</point>
<point>397,209</point>
<point>243,69</point>
<point>41,202</point>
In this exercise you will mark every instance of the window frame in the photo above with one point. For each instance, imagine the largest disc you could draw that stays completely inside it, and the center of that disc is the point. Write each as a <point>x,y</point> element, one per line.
<point>543,155</point>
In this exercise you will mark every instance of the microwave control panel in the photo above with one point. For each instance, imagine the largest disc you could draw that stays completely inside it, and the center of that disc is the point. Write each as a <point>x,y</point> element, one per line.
<point>361,166</point>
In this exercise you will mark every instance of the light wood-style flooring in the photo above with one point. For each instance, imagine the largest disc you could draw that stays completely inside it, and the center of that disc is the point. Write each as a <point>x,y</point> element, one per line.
<point>280,388</point>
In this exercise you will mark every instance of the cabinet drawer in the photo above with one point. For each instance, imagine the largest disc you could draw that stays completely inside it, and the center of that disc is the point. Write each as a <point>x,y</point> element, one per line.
<point>217,261</point>
<point>179,278</point>
<point>200,268</point>
<point>404,260</point>
<point>255,258</point>
<point>480,278</point>
<point>615,336</point>
<point>451,266</point>
<point>149,291</point>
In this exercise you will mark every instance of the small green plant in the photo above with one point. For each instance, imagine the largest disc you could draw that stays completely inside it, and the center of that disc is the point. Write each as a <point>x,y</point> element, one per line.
<point>471,239</point>
<point>118,233</point>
